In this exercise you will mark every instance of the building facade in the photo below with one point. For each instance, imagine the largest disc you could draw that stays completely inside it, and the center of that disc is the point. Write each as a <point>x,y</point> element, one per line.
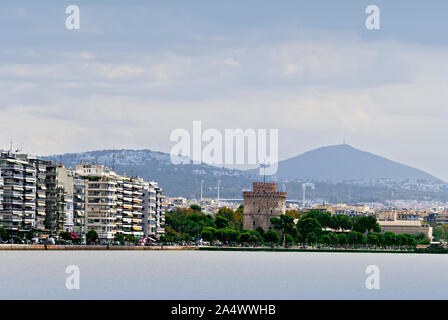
<point>154,208</point>
<point>100,199</point>
<point>44,197</point>
<point>18,209</point>
<point>130,206</point>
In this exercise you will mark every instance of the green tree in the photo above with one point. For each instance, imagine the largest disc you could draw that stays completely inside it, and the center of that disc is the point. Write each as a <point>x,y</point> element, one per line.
<point>248,237</point>
<point>260,230</point>
<point>4,234</point>
<point>410,239</point>
<point>421,238</point>
<point>441,232</point>
<point>341,222</point>
<point>342,238</point>
<point>227,234</point>
<point>91,236</point>
<point>271,237</point>
<point>311,237</point>
<point>130,238</point>
<point>326,239</point>
<point>390,238</point>
<point>325,219</point>
<point>65,235</point>
<point>293,213</point>
<point>119,237</point>
<point>221,222</point>
<point>365,224</point>
<point>234,218</point>
<point>401,240</point>
<point>196,207</point>
<point>207,235</point>
<point>307,225</point>
<point>285,224</point>
<point>288,239</point>
<point>372,239</point>
<point>355,237</point>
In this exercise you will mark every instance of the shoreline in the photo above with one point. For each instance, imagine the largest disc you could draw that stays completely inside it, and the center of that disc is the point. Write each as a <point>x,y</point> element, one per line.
<point>41,247</point>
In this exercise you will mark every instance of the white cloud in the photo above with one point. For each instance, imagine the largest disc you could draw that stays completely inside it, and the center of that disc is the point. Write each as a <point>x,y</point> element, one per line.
<point>381,96</point>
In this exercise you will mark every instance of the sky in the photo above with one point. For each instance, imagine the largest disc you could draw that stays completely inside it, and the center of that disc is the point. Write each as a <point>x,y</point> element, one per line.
<point>137,70</point>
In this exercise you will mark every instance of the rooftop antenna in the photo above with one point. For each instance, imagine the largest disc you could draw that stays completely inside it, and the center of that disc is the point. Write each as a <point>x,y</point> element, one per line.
<point>202,184</point>
<point>303,194</point>
<point>263,165</point>
<point>113,158</point>
<point>219,185</point>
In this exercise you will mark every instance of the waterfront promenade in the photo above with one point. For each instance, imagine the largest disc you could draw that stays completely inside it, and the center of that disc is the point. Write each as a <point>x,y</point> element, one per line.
<point>86,247</point>
<point>40,247</point>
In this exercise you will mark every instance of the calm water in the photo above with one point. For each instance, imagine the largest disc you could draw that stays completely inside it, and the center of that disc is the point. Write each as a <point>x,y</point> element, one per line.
<point>220,275</point>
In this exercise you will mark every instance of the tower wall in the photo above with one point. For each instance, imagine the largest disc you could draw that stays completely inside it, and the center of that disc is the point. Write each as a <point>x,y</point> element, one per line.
<point>261,204</point>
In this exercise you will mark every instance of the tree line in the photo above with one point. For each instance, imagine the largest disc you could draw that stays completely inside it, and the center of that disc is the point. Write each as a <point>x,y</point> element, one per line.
<point>292,228</point>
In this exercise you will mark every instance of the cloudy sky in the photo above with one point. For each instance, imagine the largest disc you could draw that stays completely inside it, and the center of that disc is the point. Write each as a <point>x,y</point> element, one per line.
<point>136,70</point>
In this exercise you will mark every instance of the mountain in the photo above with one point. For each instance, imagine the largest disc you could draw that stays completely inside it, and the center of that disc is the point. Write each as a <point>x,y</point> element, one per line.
<point>176,180</point>
<point>345,163</point>
<point>339,173</point>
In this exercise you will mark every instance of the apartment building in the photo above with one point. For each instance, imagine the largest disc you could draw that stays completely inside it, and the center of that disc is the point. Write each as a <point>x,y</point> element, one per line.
<point>71,200</point>
<point>130,206</point>
<point>352,211</point>
<point>100,199</point>
<point>18,210</point>
<point>40,195</point>
<point>437,218</point>
<point>1,190</point>
<point>154,208</point>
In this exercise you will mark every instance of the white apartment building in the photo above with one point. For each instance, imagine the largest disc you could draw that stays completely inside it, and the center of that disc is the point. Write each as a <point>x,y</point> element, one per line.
<point>18,210</point>
<point>71,191</point>
<point>100,199</point>
<point>154,203</point>
<point>352,211</point>
<point>130,206</point>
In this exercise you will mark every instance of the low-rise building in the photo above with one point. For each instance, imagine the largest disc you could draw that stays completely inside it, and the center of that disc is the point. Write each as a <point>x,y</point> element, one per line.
<point>402,226</point>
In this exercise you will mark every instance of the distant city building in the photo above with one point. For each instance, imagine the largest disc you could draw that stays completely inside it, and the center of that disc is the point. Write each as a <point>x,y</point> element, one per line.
<point>437,218</point>
<point>402,226</point>
<point>262,204</point>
